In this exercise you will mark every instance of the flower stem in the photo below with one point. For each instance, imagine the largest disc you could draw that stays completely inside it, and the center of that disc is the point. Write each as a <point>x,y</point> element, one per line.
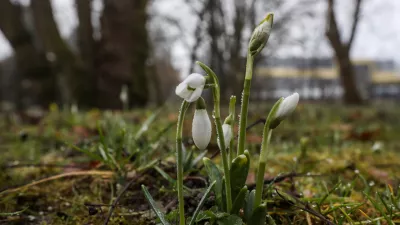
<point>220,134</point>
<point>245,103</point>
<point>232,105</point>
<point>179,161</point>
<point>261,165</point>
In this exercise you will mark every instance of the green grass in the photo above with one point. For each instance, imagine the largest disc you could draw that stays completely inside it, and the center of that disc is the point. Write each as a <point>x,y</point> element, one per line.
<point>339,174</point>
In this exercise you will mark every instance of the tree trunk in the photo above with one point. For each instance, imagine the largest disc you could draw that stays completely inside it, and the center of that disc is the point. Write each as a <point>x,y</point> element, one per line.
<point>123,53</point>
<point>86,45</point>
<point>140,53</point>
<point>34,81</point>
<point>65,64</point>
<point>351,93</point>
<point>342,52</point>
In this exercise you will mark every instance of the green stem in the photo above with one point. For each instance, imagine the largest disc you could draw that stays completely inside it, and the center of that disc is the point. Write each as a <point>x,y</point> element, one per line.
<point>261,165</point>
<point>245,104</point>
<point>232,105</point>
<point>221,139</point>
<point>220,134</point>
<point>179,161</point>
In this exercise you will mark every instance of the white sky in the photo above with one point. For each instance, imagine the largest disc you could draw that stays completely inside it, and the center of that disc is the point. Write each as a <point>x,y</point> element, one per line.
<point>378,36</point>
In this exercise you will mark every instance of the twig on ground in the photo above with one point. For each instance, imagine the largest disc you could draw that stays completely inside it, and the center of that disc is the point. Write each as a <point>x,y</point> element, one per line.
<point>71,174</point>
<point>114,204</point>
<point>305,207</point>
<point>282,177</point>
<point>19,165</point>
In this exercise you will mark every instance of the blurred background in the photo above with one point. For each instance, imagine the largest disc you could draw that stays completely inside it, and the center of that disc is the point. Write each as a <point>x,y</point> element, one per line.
<point>83,52</point>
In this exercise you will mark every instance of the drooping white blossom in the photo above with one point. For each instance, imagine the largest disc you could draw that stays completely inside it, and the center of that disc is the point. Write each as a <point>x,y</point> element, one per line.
<point>287,106</point>
<point>191,88</point>
<point>201,129</point>
<point>227,129</point>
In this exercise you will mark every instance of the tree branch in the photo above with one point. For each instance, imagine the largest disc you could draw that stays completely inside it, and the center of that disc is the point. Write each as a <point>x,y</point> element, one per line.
<point>356,18</point>
<point>332,31</point>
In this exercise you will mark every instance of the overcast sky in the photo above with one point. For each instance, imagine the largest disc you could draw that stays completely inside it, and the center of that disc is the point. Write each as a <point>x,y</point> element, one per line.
<point>378,36</point>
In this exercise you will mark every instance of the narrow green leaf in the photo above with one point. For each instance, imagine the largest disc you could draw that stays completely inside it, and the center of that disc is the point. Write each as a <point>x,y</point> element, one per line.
<point>146,124</point>
<point>153,205</point>
<point>86,152</point>
<point>258,216</point>
<point>201,203</point>
<point>249,204</point>
<point>329,193</point>
<point>224,206</point>
<point>165,175</point>
<point>230,220</point>
<point>379,208</point>
<point>188,161</point>
<point>198,158</point>
<point>239,171</point>
<point>215,175</point>
<point>239,201</point>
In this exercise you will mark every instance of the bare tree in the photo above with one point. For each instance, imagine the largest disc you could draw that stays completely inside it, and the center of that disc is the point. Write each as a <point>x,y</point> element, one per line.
<point>86,46</point>
<point>227,46</point>
<point>34,83</point>
<point>342,51</point>
<point>123,52</point>
<point>67,66</point>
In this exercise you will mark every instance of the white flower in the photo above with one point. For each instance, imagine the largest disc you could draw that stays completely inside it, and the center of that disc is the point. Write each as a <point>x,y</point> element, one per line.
<point>123,95</point>
<point>260,35</point>
<point>201,129</point>
<point>227,129</point>
<point>287,106</point>
<point>191,88</point>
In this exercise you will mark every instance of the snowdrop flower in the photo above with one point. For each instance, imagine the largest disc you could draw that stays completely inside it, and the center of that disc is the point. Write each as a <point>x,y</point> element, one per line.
<point>201,126</point>
<point>191,88</point>
<point>123,95</point>
<point>285,108</point>
<point>260,35</point>
<point>227,129</point>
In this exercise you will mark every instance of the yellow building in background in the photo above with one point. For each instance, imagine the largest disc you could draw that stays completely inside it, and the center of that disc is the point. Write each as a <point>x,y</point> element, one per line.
<point>319,78</point>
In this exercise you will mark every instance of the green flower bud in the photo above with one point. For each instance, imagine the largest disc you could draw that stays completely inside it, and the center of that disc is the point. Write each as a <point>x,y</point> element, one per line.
<point>260,35</point>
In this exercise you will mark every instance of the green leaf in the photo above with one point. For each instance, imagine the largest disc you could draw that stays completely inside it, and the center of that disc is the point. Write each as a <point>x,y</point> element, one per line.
<point>215,175</point>
<point>188,160</point>
<point>86,152</point>
<point>201,203</point>
<point>230,220</point>
<point>165,175</point>
<point>153,205</point>
<point>258,216</point>
<point>239,201</point>
<point>146,124</point>
<point>249,204</point>
<point>198,158</point>
<point>239,171</point>
<point>223,205</point>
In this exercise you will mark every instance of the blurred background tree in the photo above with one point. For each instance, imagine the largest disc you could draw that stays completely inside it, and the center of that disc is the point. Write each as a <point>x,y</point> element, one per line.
<point>134,44</point>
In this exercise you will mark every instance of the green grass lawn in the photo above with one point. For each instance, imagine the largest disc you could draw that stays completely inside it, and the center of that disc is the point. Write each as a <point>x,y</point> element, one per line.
<point>328,162</point>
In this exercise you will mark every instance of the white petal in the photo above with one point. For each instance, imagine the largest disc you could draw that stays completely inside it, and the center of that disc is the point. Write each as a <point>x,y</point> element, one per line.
<point>195,94</point>
<point>183,91</point>
<point>201,129</point>
<point>195,80</point>
<point>226,128</point>
<point>287,106</point>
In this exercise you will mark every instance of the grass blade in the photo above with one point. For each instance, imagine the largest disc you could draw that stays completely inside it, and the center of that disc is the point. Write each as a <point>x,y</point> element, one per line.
<point>153,205</point>
<point>201,203</point>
